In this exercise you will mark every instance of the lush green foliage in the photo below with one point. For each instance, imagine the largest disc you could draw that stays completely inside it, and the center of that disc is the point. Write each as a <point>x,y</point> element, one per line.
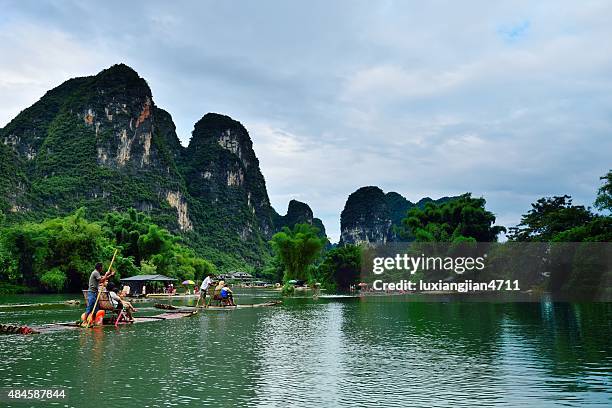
<point>599,229</point>
<point>273,271</point>
<point>297,249</point>
<point>548,217</point>
<point>556,219</point>
<point>59,254</point>
<point>463,218</point>
<point>54,279</point>
<point>298,255</point>
<point>152,248</point>
<point>340,268</point>
<point>575,268</point>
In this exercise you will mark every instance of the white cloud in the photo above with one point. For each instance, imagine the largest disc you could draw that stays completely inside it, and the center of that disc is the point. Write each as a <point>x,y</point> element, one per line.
<point>395,82</point>
<point>36,59</point>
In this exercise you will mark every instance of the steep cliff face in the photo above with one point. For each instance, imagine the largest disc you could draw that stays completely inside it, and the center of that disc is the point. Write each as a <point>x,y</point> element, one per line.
<point>299,213</point>
<point>223,176</point>
<point>397,206</point>
<point>101,142</point>
<point>13,182</point>
<point>372,217</point>
<point>365,217</point>
<point>96,142</point>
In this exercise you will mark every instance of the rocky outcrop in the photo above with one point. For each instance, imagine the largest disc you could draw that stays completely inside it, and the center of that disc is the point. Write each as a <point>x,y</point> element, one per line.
<point>177,202</point>
<point>222,173</point>
<point>372,217</point>
<point>365,217</point>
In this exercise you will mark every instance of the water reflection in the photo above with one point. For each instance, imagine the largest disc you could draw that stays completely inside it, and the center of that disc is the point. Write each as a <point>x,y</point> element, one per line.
<point>300,355</point>
<point>331,353</point>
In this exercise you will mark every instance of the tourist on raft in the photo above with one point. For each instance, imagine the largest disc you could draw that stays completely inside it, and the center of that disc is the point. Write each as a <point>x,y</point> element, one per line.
<point>227,296</point>
<point>95,279</point>
<point>223,294</point>
<point>119,303</point>
<point>217,291</point>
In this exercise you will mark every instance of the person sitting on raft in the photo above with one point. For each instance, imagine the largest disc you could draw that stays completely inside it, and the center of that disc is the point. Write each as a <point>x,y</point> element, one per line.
<point>217,291</point>
<point>95,279</point>
<point>227,296</point>
<point>119,303</point>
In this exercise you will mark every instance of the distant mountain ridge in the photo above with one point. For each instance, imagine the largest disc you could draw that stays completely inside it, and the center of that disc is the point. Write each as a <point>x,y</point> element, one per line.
<point>300,213</point>
<point>372,217</point>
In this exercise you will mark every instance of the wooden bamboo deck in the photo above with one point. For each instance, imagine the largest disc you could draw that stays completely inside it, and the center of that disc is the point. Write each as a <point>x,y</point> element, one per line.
<point>168,315</point>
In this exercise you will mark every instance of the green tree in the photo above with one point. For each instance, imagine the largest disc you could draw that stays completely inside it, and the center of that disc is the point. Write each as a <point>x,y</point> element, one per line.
<point>599,229</point>
<point>157,241</point>
<point>147,268</point>
<point>340,268</point>
<point>126,229</point>
<point>297,249</point>
<point>549,217</point>
<point>461,219</point>
<point>604,194</point>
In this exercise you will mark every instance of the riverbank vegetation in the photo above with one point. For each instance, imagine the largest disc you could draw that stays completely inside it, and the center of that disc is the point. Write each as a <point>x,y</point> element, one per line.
<point>297,249</point>
<point>555,247</point>
<point>58,254</point>
<point>300,256</point>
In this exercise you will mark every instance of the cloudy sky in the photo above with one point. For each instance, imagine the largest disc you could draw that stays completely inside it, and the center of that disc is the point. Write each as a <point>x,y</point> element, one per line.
<point>511,101</point>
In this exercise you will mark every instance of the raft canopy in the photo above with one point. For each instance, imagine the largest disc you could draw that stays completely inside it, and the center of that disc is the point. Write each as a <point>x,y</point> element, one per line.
<point>152,284</point>
<point>148,278</point>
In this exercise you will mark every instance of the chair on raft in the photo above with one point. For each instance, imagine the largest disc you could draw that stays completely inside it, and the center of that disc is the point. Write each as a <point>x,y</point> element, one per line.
<point>215,299</point>
<point>104,303</point>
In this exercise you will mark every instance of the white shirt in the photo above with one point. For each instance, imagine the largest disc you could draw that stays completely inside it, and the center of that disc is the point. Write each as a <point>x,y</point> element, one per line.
<point>114,298</point>
<point>206,283</point>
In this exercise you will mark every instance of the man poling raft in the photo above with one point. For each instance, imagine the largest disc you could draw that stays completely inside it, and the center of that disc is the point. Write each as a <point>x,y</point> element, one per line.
<point>94,290</point>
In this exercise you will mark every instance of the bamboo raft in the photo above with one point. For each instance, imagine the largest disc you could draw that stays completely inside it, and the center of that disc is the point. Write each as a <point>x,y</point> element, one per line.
<point>170,314</point>
<point>249,306</point>
<point>55,327</point>
<point>186,309</point>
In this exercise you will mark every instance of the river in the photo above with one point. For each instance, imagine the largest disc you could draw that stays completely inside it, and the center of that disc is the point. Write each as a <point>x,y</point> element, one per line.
<point>325,352</point>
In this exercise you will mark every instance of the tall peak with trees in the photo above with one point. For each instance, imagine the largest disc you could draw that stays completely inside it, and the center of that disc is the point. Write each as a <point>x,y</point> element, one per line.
<point>102,143</point>
<point>370,216</point>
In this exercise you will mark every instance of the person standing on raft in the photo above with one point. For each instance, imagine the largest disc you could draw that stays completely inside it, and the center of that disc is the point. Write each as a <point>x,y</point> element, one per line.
<point>95,279</point>
<point>204,288</point>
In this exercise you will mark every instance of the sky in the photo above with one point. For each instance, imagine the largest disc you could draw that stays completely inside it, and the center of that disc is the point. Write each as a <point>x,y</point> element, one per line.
<point>509,100</point>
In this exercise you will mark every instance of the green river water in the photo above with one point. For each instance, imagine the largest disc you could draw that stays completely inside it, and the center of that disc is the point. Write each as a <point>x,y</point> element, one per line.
<point>326,352</point>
